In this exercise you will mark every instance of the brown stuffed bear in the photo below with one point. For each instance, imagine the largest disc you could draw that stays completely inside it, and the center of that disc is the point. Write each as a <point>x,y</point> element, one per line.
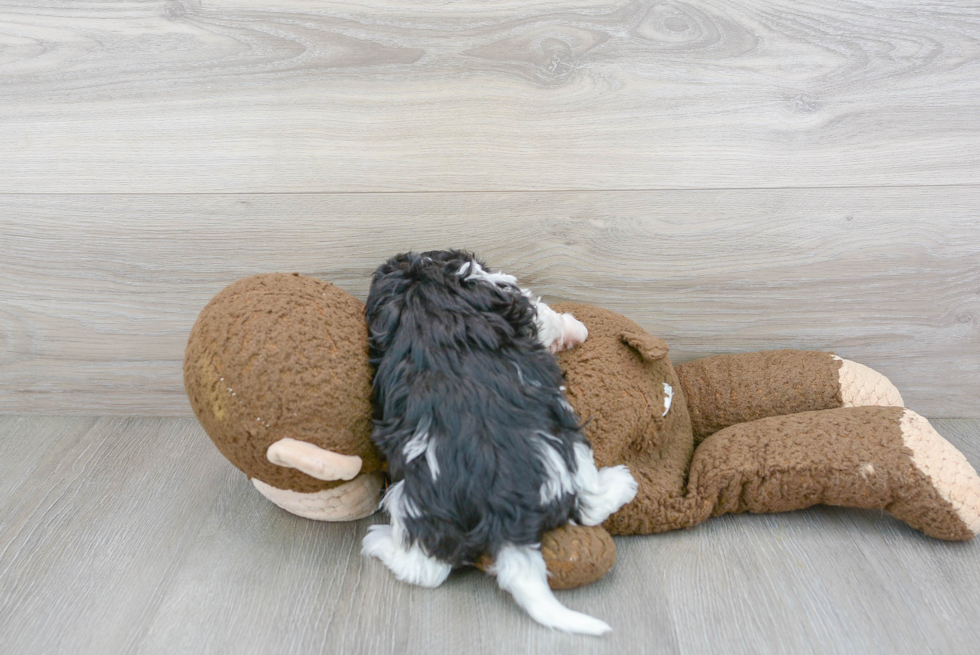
<point>276,370</point>
<point>758,432</point>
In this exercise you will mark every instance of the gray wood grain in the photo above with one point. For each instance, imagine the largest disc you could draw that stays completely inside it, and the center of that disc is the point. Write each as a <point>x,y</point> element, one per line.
<point>290,95</point>
<point>90,539</point>
<point>26,441</point>
<point>98,292</point>
<point>134,536</point>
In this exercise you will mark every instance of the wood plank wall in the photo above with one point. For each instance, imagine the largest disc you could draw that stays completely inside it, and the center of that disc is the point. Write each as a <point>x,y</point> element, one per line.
<point>734,176</point>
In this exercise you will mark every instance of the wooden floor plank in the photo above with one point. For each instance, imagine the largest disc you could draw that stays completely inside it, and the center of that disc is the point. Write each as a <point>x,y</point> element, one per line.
<point>135,536</point>
<point>26,441</point>
<point>89,542</point>
<point>888,277</point>
<point>375,95</point>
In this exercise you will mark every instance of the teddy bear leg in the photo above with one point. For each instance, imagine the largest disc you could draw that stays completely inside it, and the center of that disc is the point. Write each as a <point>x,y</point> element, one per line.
<point>885,458</point>
<point>726,390</point>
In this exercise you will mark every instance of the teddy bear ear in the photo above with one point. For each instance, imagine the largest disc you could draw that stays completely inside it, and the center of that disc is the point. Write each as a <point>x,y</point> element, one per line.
<point>650,348</point>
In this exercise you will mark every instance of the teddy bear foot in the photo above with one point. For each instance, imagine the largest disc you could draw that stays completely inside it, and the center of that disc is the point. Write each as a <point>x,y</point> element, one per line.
<point>575,555</point>
<point>861,386</point>
<point>348,502</point>
<point>944,472</point>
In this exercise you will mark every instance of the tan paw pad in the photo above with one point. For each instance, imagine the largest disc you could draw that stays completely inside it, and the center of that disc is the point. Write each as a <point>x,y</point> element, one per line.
<point>951,474</point>
<point>861,386</point>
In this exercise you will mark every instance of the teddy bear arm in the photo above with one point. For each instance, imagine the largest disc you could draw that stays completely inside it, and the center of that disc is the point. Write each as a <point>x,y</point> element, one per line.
<point>886,458</point>
<point>725,390</point>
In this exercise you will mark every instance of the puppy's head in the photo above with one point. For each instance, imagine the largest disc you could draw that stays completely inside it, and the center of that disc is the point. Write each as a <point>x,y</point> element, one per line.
<point>442,285</point>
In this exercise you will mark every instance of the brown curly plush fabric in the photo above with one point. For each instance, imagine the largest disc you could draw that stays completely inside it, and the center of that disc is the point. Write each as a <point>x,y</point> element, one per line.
<point>852,457</point>
<point>615,382</point>
<point>577,555</point>
<point>751,459</point>
<point>618,390</point>
<point>728,389</point>
<point>280,355</point>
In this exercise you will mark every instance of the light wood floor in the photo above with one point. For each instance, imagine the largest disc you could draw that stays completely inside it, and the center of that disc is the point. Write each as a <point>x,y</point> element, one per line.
<point>133,535</point>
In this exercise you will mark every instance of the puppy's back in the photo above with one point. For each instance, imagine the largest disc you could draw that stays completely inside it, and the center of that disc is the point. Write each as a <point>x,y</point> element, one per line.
<point>469,409</point>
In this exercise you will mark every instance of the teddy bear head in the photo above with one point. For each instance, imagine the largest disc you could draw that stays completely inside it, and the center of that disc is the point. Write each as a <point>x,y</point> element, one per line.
<point>279,357</point>
<point>623,386</point>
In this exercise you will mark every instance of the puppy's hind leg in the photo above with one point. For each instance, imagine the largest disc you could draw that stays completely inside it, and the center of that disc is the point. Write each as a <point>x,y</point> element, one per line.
<point>390,544</point>
<point>600,492</point>
<point>409,564</point>
<point>521,571</point>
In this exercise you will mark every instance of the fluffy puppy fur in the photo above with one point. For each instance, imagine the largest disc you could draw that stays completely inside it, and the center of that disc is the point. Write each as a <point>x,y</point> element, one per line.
<point>484,452</point>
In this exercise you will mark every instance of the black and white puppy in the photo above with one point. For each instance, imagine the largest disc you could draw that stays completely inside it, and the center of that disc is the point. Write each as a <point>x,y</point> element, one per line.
<point>484,452</point>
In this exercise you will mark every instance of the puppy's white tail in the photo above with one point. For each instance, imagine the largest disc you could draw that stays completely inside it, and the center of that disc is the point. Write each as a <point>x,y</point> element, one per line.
<point>521,571</point>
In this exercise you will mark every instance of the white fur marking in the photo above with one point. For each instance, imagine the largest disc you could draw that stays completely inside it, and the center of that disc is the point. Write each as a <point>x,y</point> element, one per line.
<point>558,481</point>
<point>521,571</point>
<point>522,380</point>
<point>419,441</point>
<point>411,509</point>
<point>393,498</point>
<point>473,271</point>
<point>398,505</point>
<point>550,325</point>
<point>555,331</point>
<point>549,437</point>
<point>668,398</point>
<point>567,405</point>
<point>430,459</point>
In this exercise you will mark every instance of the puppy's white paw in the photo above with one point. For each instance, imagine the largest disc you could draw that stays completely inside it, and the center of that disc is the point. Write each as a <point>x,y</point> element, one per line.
<point>618,488</point>
<point>620,482</point>
<point>378,542</point>
<point>568,332</point>
<point>573,333</point>
<point>410,564</point>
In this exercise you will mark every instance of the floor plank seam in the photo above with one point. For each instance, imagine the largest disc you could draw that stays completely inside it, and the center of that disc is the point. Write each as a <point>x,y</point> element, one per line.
<point>842,187</point>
